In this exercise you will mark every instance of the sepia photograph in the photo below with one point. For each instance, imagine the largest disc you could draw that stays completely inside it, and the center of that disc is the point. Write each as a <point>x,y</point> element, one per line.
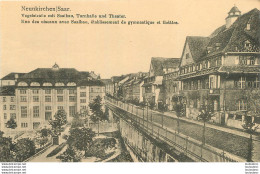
<point>130,81</point>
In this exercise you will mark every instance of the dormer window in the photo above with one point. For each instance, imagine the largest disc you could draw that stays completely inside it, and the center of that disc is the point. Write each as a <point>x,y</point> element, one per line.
<point>247,44</point>
<point>248,27</point>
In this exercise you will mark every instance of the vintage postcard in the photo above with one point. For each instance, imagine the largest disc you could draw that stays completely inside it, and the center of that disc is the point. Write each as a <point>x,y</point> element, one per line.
<point>130,81</point>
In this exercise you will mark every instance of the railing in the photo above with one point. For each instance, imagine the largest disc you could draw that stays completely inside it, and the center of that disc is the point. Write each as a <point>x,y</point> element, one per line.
<point>143,118</point>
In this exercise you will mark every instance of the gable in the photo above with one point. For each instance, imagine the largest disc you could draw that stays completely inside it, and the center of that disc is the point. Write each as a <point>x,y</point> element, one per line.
<point>186,57</point>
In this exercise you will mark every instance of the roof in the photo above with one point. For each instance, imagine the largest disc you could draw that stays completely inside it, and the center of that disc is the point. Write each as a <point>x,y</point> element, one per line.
<point>159,63</point>
<point>90,83</point>
<point>197,45</point>
<point>11,76</point>
<point>7,91</point>
<point>234,9</point>
<point>107,81</point>
<point>230,39</point>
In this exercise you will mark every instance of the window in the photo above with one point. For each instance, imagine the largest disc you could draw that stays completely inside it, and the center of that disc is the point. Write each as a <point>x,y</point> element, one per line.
<point>48,115</point>
<point>242,60</point>
<point>47,108</point>
<point>4,99</point>
<point>59,91</point>
<point>12,99</point>
<point>12,107</point>
<point>13,115</point>
<point>36,111</point>
<point>35,91</point>
<point>72,98</point>
<point>36,125</point>
<point>252,61</point>
<point>5,115</point>
<point>211,82</point>
<point>60,98</point>
<point>72,91</point>
<point>4,107</point>
<point>22,91</point>
<point>23,111</point>
<point>35,98</point>
<point>47,98</point>
<point>248,26</point>
<point>60,107</point>
<point>242,105</point>
<point>91,89</point>
<point>47,91</point>
<point>23,99</point>
<point>83,107</point>
<point>82,87</point>
<point>24,125</point>
<point>82,94</point>
<point>72,111</point>
<point>82,100</point>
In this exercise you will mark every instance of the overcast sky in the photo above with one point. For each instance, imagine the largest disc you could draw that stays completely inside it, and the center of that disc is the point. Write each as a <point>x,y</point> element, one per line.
<point>108,49</point>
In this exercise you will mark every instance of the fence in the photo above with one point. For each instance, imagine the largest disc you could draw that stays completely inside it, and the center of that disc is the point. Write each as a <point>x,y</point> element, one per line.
<point>143,118</point>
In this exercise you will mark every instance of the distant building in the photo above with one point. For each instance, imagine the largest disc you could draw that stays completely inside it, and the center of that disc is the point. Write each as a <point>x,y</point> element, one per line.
<point>153,84</point>
<point>109,86</point>
<point>33,98</point>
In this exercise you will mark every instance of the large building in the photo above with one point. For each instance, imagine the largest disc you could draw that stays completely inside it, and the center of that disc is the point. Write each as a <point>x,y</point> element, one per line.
<point>223,70</point>
<point>33,98</point>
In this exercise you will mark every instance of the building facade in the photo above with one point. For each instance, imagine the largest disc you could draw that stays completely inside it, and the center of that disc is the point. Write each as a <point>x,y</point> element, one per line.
<point>222,71</point>
<point>34,97</point>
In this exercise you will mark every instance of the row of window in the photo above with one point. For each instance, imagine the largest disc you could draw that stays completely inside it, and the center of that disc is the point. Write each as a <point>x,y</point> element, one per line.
<point>12,107</point>
<point>12,115</point>
<point>36,111</point>
<point>48,91</point>
<point>203,65</point>
<point>48,98</point>
<point>12,99</point>
<point>61,91</point>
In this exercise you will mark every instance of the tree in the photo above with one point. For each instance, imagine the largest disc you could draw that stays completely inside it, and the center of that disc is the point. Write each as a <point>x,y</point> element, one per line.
<point>58,122</point>
<point>11,123</point>
<point>70,155</point>
<point>24,148</point>
<point>96,109</point>
<point>179,109</point>
<point>205,115</point>
<point>81,138</point>
<point>6,147</point>
<point>250,128</point>
<point>45,132</point>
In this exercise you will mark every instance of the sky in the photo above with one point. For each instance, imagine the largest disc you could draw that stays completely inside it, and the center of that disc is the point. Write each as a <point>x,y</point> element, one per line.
<point>107,50</point>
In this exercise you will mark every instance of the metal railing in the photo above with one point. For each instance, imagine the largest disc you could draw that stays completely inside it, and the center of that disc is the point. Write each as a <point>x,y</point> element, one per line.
<point>143,118</point>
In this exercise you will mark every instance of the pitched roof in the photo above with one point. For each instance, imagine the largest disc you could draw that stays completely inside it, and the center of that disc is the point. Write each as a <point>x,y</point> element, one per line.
<point>107,81</point>
<point>7,91</point>
<point>11,76</point>
<point>234,9</point>
<point>159,63</point>
<point>227,39</point>
<point>197,45</point>
<point>90,83</point>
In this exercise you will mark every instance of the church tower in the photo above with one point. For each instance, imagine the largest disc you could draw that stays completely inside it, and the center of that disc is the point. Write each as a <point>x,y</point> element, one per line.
<point>233,14</point>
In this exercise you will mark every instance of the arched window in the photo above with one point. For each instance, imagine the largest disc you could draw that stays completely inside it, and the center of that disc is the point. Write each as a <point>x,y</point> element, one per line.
<point>59,84</point>
<point>71,84</point>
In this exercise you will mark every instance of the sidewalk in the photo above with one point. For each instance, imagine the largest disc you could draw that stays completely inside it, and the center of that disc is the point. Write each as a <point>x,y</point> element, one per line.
<point>224,129</point>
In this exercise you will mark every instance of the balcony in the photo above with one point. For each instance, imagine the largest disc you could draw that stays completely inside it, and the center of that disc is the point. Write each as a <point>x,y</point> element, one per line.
<point>246,84</point>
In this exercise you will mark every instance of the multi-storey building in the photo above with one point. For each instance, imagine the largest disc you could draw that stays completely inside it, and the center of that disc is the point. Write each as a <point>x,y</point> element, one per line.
<point>109,86</point>
<point>153,84</point>
<point>132,88</point>
<point>223,70</point>
<point>33,98</point>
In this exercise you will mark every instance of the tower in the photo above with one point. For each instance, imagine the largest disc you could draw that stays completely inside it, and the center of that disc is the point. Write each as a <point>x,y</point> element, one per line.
<point>233,14</point>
